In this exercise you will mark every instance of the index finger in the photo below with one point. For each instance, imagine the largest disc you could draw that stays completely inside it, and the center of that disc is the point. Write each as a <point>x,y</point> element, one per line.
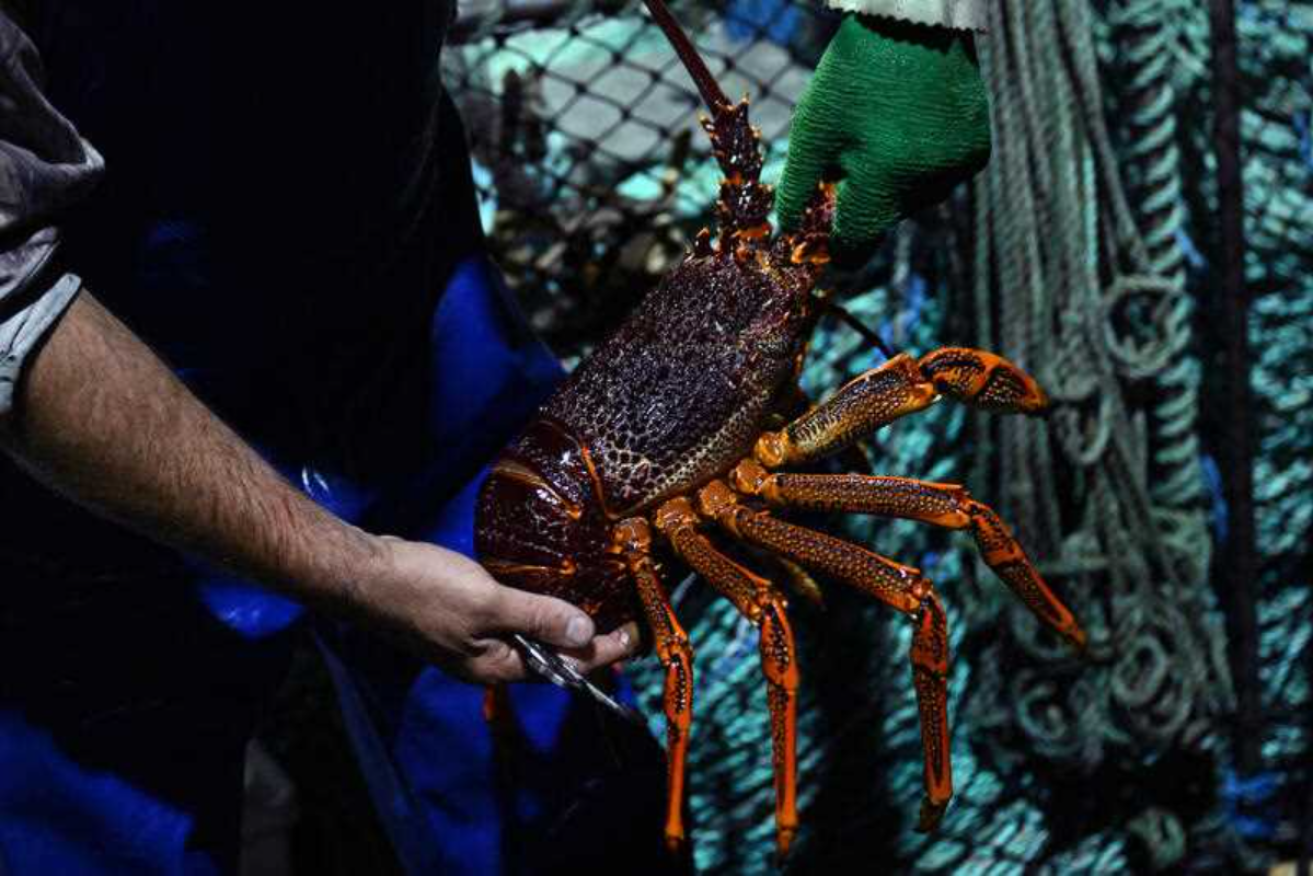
<point>499,662</point>
<point>619,644</point>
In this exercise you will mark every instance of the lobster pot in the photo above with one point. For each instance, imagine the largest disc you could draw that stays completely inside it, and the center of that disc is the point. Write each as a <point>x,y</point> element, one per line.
<point>1086,254</point>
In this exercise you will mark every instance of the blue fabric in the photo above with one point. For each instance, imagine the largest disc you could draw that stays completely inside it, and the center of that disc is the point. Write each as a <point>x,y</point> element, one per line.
<point>124,716</point>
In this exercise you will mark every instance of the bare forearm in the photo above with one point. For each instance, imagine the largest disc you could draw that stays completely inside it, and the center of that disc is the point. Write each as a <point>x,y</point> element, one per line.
<point>104,422</point>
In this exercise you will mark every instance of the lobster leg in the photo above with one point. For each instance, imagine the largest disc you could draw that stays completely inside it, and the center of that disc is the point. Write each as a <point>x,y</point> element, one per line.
<point>761,603</point>
<point>900,587</point>
<point>854,457</point>
<point>676,655</point>
<point>983,380</point>
<point>946,505</point>
<point>899,387</point>
<point>798,580</point>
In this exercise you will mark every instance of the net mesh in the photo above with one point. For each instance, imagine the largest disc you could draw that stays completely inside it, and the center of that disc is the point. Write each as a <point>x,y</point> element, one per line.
<point>1277,83</point>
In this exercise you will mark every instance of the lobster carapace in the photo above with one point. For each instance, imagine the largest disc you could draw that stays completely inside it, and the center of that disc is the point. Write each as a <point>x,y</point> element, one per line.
<point>661,439</point>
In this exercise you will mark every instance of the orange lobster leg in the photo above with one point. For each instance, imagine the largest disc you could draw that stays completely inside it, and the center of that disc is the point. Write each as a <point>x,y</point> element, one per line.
<point>930,676</point>
<point>757,600</point>
<point>983,380</point>
<point>800,581</point>
<point>779,663</point>
<point>860,407</point>
<point>899,387</point>
<point>898,586</point>
<point>676,655</point>
<point>496,704</point>
<point>1003,554</point>
<point>946,505</point>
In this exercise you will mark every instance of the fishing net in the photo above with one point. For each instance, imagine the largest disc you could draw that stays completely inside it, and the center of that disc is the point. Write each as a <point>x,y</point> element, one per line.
<point>1276,40</point>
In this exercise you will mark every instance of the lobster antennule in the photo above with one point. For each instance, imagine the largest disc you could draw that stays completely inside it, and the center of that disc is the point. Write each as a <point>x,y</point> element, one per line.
<point>706,84</point>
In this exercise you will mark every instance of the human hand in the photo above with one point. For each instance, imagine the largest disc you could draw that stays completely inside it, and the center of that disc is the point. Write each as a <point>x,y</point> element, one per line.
<point>898,111</point>
<point>449,610</point>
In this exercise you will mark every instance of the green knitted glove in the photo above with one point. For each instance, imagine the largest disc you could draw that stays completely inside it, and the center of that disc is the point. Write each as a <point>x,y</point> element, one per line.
<point>898,112</point>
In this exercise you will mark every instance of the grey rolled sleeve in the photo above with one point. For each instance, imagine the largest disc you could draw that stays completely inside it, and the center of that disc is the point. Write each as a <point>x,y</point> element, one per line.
<point>45,168</point>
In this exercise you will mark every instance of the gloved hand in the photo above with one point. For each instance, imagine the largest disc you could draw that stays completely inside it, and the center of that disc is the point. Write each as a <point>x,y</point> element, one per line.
<point>896,110</point>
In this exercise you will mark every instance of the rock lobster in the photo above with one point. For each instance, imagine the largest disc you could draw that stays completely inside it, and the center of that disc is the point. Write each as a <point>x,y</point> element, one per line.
<point>663,435</point>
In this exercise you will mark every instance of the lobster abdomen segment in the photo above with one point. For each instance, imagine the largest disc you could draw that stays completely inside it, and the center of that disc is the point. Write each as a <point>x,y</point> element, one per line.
<point>542,526</point>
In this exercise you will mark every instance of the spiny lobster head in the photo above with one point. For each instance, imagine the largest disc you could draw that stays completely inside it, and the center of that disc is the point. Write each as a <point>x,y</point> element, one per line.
<point>753,317</point>
<point>742,205</point>
<point>745,270</point>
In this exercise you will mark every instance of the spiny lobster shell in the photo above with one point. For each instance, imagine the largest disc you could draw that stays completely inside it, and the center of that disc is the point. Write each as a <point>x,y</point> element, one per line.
<point>674,398</point>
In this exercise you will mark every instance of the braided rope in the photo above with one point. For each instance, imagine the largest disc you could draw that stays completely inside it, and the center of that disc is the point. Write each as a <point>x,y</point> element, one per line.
<point>1086,274</point>
<point>1143,28</point>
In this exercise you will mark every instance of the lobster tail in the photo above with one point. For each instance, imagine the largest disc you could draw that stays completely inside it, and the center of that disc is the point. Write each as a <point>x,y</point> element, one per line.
<point>543,529</point>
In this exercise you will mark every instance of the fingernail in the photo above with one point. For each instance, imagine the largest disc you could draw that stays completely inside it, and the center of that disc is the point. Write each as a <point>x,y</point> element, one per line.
<point>579,631</point>
<point>623,638</point>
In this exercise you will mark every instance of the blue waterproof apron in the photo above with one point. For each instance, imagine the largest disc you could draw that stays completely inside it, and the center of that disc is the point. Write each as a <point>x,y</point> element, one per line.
<point>288,219</point>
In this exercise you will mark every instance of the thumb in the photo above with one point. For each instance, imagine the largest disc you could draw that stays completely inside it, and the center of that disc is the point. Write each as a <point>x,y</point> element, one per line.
<point>550,621</point>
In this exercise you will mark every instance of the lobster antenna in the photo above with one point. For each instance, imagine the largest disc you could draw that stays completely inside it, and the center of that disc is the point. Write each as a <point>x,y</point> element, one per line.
<point>697,68</point>
<point>862,329</point>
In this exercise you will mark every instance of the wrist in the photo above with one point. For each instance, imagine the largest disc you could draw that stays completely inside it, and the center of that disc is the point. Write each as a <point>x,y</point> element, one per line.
<point>335,565</point>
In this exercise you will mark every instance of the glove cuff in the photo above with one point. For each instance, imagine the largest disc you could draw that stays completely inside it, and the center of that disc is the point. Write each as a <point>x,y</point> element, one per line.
<point>955,14</point>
